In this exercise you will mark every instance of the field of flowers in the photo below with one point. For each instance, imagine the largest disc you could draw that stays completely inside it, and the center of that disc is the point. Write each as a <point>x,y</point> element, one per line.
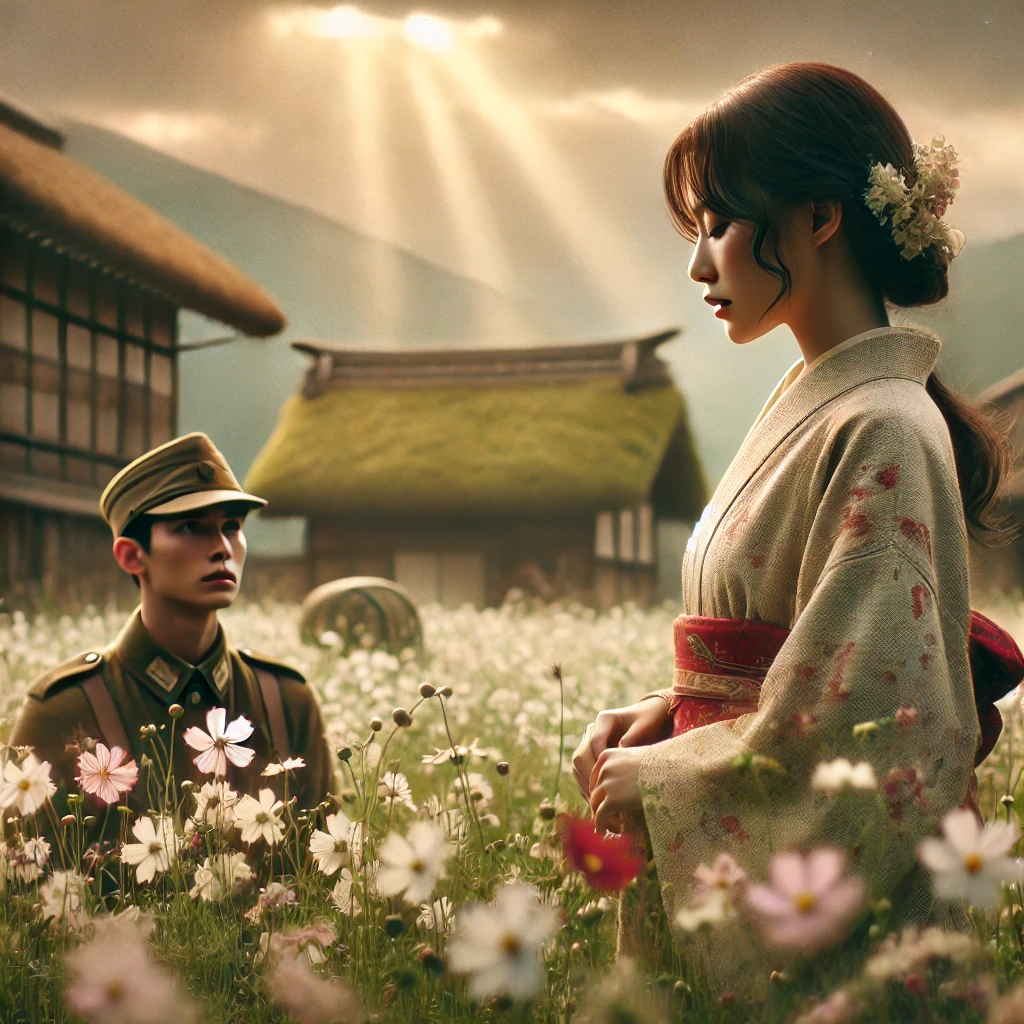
<point>453,879</point>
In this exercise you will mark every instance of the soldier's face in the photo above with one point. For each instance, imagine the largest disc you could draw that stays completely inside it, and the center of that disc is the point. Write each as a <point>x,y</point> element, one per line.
<point>197,560</point>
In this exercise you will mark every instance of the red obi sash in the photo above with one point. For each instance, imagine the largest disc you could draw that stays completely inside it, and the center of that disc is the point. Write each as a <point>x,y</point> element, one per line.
<point>721,664</point>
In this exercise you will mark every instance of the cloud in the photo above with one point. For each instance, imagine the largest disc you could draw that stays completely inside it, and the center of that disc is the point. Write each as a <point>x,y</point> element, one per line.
<point>625,103</point>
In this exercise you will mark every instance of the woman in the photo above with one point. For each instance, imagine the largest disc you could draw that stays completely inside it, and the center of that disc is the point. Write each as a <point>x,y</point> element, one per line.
<point>826,583</point>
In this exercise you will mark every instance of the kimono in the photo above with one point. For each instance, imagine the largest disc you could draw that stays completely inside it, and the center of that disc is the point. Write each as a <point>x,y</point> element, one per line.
<point>840,519</point>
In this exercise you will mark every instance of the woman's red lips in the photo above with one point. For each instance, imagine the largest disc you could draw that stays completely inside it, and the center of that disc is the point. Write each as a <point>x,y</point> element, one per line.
<point>712,301</point>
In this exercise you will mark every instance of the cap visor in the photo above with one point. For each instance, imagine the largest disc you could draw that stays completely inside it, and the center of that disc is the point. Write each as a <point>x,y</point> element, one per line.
<point>204,499</point>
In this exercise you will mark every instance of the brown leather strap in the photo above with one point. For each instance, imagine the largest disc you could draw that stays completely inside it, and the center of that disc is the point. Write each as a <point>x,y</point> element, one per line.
<point>270,686</point>
<point>105,712</point>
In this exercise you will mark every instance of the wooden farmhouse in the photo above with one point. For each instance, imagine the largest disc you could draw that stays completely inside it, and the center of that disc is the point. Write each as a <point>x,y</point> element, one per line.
<point>91,282</point>
<point>464,473</point>
<point>1001,570</point>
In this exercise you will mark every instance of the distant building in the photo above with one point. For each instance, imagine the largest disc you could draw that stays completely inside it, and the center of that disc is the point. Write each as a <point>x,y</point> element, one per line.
<point>1001,570</point>
<point>463,473</point>
<point>91,282</point>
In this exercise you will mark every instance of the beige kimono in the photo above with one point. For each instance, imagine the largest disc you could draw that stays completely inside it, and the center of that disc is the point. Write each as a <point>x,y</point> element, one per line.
<point>840,518</point>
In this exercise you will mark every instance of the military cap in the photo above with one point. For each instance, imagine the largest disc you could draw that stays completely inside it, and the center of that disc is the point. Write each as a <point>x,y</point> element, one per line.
<point>182,475</point>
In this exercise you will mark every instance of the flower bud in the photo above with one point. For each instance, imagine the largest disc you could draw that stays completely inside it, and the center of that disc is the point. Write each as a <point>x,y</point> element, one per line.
<point>401,717</point>
<point>89,820</point>
<point>175,711</point>
<point>1007,800</point>
<point>376,724</point>
<point>187,786</point>
<point>345,754</point>
<point>427,689</point>
<point>503,768</point>
<point>446,691</point>
<point>67,820</point>
<point>430,961</point>
<point>546,810</point>
<point>394,925</point>
<point>74,799</point>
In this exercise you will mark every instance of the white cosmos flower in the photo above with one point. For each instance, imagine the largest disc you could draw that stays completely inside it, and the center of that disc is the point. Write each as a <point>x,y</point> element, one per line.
<point>832,776</point>
<point>436,916</point>
<point>220,744</point>
<point>500,944</point>
<point>343,895</point>
<point>155,850</point>
<point>712,910</point>
<point>215,802</point>
<point>394,788</point>
<point>330,849</point>
<point>971,861</point>
<point>25,862</point>
<point>222,873</point>
<point>260,817</point>
<point>26,788</point>
<point>61,896</point>
<point>413,865</point>
<point>480,791</point>
<point>288,765</point>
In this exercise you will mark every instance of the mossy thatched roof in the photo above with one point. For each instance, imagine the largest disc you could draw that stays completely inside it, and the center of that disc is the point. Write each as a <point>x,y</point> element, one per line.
<point>480,451</point>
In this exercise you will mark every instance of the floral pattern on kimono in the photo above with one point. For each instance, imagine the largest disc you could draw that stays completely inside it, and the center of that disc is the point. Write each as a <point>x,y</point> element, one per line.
<point>840,519</point>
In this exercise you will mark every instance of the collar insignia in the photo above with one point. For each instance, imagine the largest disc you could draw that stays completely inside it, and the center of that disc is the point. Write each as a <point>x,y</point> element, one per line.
<point>221,673</point>
<point>162,674</point>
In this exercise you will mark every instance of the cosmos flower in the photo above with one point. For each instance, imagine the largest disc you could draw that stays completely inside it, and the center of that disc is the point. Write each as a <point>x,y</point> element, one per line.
<point>726,874</point>
<point>436,916</point>
<point>330,849</point>
<point>288,765</point>
<point>833,776</point>
<point>809,905</point>
<point>343,895</point>
<point>24,861</point>
<point>308,998</point>
<point>608,863</point>
<point>61,898</point>
<point>500,944</point>
<point>260,818</point>
<point>971,861</point>
<point>218,744</point>
<point>394,788</point>
<point>156,849</point>
<point>215,803</point>
<point>412,866</point>
<point>707,912</point>
<point>458,753</point>
<point>26,787</point>
<point>113,980</point>
<point>105,773</point>
<point>223,873</point>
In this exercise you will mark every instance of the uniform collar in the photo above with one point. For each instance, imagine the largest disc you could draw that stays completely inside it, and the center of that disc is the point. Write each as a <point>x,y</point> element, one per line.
<point>165,674</point>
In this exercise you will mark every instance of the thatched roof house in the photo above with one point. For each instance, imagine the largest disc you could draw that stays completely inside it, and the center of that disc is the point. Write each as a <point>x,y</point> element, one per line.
<point>531,466</point>
<point>91,281</point>
<point>1001,570</point>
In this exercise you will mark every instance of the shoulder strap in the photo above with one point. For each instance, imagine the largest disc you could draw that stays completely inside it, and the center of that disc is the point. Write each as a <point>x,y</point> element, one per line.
<point>270,687</point>
<point>105,711</point>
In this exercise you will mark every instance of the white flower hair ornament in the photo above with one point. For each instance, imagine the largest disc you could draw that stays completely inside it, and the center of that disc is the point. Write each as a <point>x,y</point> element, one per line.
<point>916,211</point>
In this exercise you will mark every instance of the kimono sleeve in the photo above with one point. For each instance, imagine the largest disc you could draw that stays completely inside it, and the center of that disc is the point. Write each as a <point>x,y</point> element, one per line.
<point>872,643</point>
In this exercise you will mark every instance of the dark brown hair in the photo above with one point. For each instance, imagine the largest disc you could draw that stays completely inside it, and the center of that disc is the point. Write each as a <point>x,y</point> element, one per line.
<point>811,131</point>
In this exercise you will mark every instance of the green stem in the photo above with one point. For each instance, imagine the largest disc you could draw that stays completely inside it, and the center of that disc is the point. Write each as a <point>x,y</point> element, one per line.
<point>557,671</point>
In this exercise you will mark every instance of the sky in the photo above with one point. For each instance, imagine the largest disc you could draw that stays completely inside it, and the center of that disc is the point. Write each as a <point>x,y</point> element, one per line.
<point>519,143</point>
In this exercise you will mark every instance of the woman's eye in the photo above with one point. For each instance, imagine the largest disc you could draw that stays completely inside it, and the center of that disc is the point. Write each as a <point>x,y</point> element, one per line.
<point>719,229</point>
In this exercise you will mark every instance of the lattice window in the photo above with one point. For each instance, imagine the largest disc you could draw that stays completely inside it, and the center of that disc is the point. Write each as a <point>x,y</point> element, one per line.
<point>625,536</point>
<point>87,365</point>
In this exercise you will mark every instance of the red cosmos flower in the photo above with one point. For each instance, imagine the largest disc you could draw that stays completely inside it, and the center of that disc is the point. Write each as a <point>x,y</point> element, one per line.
<point>608,864</point>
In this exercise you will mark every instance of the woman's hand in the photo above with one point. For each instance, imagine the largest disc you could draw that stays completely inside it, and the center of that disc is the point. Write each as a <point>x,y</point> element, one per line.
<point>632,726</point>
<point>615,787</point>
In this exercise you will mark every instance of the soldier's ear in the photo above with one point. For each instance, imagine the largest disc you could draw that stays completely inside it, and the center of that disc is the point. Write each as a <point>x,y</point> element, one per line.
<point>130,556</point>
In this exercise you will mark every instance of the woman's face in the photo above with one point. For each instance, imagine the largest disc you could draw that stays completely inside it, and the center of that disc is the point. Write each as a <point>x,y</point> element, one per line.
<point>722,262</point>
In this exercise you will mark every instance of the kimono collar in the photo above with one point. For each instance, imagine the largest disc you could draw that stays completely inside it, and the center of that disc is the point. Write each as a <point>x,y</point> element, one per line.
<point>907,353</point>
<point>163,673</point>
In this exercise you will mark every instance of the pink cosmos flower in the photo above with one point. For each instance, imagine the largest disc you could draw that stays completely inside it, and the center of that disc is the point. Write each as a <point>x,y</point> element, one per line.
<point>220,745</point>
<point>104,774</point>
<point>726,874</point>
<point>809,904</point>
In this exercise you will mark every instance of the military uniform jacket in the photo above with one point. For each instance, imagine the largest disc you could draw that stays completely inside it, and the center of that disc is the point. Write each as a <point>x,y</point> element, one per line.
<point>110,695</point>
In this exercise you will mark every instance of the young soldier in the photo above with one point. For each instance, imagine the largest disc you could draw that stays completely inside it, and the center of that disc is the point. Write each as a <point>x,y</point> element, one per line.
<point>176,514</point>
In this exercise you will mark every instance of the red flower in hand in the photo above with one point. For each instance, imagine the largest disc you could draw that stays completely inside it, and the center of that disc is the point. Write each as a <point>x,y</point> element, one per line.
<point>608,864</point>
